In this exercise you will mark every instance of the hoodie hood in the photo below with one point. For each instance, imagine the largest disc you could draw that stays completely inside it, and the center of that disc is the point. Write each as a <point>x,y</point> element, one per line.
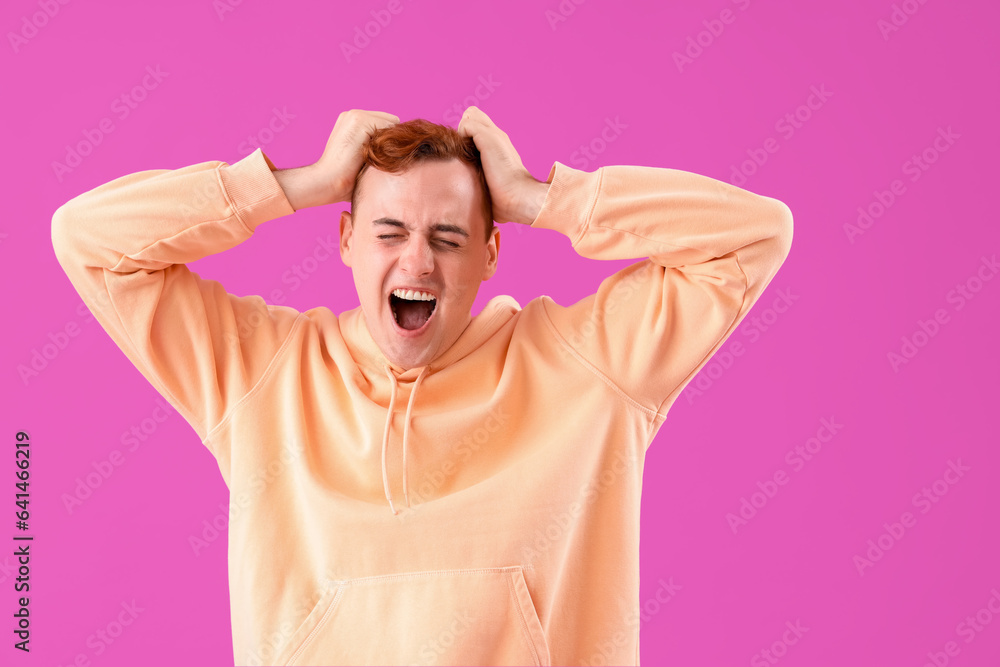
<point>378,369</point>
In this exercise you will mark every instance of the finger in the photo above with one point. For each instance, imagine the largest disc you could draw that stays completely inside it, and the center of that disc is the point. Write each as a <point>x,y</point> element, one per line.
<point>463,126</point>
<point>385,115</point>
<point>372,124</point>
<point>370,119</point>
<point>382,114</point>
<point>478,114</point>
<point>379,121</point>
<point>471,117</point>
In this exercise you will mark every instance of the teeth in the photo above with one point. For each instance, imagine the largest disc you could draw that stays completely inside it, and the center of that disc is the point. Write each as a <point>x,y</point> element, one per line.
<point>411,295</point>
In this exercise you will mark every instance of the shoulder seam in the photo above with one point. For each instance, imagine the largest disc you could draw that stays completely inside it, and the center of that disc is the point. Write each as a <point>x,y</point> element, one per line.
<point>260,382</point>
<point>716,346</point>
<point>649,412</point>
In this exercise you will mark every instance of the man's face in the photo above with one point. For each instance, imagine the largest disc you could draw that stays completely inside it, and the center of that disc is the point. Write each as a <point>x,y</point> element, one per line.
<point>418,230</point>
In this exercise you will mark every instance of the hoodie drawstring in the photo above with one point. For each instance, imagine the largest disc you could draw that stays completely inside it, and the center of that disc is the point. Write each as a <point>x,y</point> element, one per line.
<point>406,433</point>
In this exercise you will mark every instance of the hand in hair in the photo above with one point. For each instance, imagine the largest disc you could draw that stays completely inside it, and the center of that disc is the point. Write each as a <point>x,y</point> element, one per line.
<point>517,196</point>
<point>331,178</point>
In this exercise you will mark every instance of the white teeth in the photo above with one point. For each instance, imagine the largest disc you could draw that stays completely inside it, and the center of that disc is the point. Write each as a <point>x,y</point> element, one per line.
<point>411,295</point>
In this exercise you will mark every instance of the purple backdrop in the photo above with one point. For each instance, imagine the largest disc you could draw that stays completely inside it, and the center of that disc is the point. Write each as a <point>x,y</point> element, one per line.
<point>824,492</point>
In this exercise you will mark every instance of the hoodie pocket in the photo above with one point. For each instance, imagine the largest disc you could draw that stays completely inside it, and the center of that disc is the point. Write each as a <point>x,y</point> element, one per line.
<point>443,617</point>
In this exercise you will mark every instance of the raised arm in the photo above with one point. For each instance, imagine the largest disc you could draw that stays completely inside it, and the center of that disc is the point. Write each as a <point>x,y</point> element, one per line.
<point>331,178</point>
<point>710,247</point>
<point>124,246</point>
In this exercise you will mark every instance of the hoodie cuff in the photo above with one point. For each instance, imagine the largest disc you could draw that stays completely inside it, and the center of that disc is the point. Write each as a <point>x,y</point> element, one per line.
<point>569,202</point>
<point>254,191</point>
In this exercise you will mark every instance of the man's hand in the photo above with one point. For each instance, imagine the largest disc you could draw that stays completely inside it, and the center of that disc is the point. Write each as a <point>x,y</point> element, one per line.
<point>517,196</point>
<point>331,178</point>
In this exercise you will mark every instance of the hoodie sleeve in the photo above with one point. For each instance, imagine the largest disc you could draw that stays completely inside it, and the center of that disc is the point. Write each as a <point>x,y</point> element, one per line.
<point>124,246</point>
<point>710,247</point>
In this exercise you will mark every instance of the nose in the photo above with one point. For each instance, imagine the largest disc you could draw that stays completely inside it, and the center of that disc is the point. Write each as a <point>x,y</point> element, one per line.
<point>416,258</point>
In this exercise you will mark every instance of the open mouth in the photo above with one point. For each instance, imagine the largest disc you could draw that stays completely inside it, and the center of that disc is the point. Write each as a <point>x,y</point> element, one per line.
<point>411,314</point>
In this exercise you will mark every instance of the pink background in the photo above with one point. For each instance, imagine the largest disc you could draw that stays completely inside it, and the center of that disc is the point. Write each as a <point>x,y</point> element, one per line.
<point>553,88</point>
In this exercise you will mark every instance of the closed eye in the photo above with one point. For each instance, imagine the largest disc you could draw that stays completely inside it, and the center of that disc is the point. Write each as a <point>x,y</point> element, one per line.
<point>450,244</point>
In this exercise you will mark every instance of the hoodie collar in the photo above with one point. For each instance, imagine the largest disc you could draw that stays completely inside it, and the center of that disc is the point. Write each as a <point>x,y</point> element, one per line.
<point>366,353</point>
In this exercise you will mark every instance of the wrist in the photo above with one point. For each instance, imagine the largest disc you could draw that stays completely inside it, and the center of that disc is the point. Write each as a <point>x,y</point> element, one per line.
<point>534,198</point>
<point>303,188</point>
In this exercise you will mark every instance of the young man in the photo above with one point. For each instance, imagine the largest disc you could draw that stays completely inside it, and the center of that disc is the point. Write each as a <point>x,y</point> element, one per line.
<point>411,484</point>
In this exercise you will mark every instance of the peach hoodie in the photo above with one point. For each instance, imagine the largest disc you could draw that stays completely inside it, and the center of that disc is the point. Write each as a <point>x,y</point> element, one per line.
<point>482,509</point>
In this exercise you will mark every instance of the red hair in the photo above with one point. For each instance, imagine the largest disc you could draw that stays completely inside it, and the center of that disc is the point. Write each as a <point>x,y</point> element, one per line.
<point>398,147</point>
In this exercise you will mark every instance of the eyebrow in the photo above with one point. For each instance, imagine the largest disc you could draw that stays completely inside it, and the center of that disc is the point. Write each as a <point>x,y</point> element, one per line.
<point>440,227</point>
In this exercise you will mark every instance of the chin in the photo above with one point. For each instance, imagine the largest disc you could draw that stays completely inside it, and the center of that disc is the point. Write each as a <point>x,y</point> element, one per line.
<point>407,353</point>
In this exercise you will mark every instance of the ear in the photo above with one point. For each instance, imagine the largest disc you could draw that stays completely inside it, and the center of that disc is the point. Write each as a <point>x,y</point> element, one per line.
<point>346,232</point>
<point>492,252</point>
